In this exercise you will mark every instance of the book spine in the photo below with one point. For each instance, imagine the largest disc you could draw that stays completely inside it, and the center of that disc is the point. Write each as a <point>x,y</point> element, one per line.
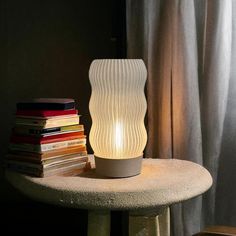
<point>47,139</point>
<point>27,131</point>
<point>38,160</point>
<point>46,147</point>
<point>39,131</point>
<point>50,154</point>
<point>22,164</point>
<point>64,163</point>
<point>45,113</point>
<point>45,106</point>
<point>23,158</point>
<point>57,165</point>
<point>71,121</point>
<point>66,135</point>
<point>24,147</point>
<point>25,121</point>
<point>68,171</point>
<point>65,159</point>
<point>24,169</point>
<point>71,150</point>
<point>70,143</point>
<point>72,127</point>
<point>48,123</point>
<point>54,140</point>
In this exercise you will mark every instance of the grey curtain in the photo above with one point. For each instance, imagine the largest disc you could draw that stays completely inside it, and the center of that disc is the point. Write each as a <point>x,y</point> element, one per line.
<point>189,48</point>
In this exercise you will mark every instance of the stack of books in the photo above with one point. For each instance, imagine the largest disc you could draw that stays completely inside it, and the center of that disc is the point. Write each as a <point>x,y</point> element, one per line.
<point>47,139</point>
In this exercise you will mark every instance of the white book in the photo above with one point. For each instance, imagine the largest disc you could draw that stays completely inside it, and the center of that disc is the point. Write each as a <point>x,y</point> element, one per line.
<point>48,123</point>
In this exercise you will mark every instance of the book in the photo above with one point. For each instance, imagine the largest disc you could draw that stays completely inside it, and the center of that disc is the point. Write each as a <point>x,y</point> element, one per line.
<point>47,139</point>
<point>76,172</point>
<point>46,113</point>
<point>33,156</point>
<point>50,164</point>
<point>39,148</point>
<point>48,122</point>
<point>39,131</point>
<point>47,104</point>
<point>69,170</point>
<point>83,156</point>
<point>19,158</point>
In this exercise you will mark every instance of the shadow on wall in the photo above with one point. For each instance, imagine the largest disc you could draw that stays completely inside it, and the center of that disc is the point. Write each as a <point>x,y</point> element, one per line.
<point>48,47</point>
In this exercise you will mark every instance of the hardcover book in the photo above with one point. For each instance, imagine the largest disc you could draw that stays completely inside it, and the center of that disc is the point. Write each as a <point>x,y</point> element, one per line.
<point>46,113</point>
<point>47,104</point>
<point>50,122</point>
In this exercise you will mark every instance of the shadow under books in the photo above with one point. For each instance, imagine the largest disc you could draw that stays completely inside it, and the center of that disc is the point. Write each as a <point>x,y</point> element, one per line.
<point>91,174</point>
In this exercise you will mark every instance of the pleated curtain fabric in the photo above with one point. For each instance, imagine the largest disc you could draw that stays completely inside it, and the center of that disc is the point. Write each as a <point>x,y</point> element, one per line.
<point>189,48</point>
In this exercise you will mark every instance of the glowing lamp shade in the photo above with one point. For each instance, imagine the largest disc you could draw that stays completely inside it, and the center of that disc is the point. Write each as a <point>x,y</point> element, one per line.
<point>117,107</point>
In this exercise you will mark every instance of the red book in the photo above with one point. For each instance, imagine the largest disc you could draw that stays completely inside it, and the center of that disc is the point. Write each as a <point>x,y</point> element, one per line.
<point>47,139</point>
<point>46,113</point>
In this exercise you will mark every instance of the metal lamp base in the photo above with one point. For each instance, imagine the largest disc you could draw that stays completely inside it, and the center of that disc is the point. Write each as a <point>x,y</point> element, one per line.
<point>118,168</point>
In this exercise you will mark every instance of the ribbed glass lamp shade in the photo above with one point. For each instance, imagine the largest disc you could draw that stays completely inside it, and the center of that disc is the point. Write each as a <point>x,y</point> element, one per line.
<point>117,107</point>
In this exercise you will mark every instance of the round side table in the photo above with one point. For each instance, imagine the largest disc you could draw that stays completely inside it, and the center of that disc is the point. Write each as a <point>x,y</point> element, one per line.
<point>146,196</point>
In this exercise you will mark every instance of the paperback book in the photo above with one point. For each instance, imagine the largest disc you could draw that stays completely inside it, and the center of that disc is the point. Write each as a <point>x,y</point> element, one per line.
<point>46,139</point>
<point>51,164</point>
<point>44,123</point>
<point>71,169</point>
<point>38,131</point>
<point>80,149</point>
<point>48,146</point>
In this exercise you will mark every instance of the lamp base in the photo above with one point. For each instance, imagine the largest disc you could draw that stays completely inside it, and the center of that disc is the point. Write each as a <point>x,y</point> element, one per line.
<point>118,168</point>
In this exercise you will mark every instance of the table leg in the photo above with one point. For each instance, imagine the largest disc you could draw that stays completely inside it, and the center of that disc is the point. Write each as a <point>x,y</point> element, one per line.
<point>164,222</point>
<point>143,226</point>
<point>150,225</point>
<point>99,223</point>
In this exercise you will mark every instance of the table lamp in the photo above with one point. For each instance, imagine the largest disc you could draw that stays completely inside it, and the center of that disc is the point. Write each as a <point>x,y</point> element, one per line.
<point>117,106</point>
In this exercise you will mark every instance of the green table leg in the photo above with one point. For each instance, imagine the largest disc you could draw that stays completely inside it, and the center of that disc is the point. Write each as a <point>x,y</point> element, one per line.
<point>150,225</point>
<point>164,222</point>
<point>143,226</point>
<point>99,223</point>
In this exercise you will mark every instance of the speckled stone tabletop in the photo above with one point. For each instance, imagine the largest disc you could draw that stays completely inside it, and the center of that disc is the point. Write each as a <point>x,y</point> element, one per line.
<point>162,182</point>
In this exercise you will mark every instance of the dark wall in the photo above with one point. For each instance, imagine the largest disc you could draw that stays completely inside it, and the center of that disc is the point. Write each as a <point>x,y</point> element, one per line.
<point>47,47</point>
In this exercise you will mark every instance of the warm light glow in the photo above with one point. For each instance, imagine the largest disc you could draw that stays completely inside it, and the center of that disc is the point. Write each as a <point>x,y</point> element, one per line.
<point>118,136</point>
<point>117,107</point>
